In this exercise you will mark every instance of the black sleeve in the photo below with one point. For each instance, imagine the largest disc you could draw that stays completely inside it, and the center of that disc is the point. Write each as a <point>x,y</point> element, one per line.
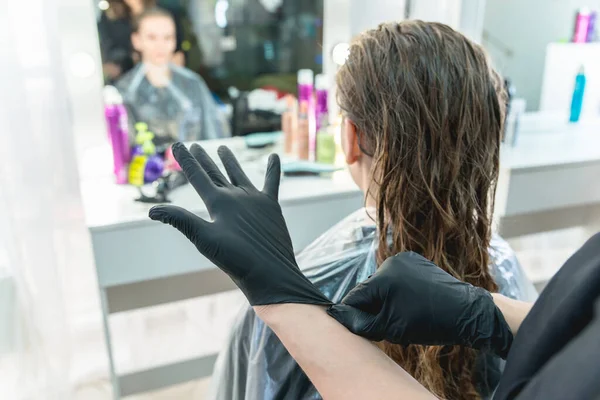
<point>573,372</point>
<point>555,335</point>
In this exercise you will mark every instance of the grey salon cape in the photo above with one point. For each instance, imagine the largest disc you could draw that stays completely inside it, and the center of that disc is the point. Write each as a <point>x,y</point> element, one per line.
<point>255,365</point>
<point>184,110</point>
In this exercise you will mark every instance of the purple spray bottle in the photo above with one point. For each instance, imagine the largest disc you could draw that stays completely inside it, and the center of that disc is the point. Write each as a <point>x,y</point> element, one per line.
<point>306,95</point>
<point>592,33</point>
<point>325,143</point>
<point>116,121</point>
<point>305,85</point>
<point>321,113</point>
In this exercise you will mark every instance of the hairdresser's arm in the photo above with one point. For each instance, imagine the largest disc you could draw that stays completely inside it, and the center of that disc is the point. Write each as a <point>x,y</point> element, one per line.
<point>514,311</point>
<point>340,364</point>
<point>248,240</point>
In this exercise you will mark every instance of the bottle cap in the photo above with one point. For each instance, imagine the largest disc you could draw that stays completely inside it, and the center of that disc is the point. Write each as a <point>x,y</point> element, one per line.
<point>305,77</point>
<point>584,11</point>
<point>321,82</point>
<point>111,95</point>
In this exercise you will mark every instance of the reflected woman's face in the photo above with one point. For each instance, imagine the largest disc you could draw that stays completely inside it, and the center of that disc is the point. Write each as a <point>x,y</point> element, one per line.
<point>155,40</point>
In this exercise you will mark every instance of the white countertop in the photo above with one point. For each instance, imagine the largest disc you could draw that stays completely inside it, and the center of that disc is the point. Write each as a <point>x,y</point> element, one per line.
<point>108,205</point>
<point>552,149</point>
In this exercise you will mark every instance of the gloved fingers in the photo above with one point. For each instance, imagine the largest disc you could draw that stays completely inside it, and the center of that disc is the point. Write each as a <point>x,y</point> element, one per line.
<point>193,227</point>
<point>359,322</point>
<point>209,166</point>
<point>236,174</point>
<point>365,296</point>
<point>195,174</point>
<point>272,177</point>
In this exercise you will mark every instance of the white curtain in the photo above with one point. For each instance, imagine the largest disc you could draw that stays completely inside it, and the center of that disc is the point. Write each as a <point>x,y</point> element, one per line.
<point>45,253</point>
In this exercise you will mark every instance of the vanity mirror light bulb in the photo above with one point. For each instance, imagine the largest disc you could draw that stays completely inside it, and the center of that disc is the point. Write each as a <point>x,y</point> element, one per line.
<point>340,53</point>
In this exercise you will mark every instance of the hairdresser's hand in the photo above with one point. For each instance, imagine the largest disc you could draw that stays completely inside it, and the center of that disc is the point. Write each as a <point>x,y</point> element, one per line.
<point>410,300</point>
<point>248,238</point>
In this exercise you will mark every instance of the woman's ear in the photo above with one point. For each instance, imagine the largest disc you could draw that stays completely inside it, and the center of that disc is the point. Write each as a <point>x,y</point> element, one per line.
<point>350,142</point>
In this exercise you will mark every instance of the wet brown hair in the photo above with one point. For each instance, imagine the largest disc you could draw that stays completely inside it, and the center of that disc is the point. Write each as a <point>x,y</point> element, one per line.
<point>429,109</point>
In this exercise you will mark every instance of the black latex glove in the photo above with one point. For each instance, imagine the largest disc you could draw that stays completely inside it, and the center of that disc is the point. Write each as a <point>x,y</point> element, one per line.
<point>248,238</point>
<point>410,300</point>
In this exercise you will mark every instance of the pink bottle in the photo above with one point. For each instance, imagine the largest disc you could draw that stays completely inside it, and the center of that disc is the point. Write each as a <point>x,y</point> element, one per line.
<point>582,24</point>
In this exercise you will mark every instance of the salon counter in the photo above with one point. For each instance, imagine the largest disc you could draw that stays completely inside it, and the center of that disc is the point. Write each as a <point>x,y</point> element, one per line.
<point>134,248</point>
<point>547,182</point>
<point>546,173</point>
<point>554,183</point>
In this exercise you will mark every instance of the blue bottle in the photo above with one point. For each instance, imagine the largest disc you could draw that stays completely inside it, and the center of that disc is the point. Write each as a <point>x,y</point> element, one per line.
<point>577,101</point>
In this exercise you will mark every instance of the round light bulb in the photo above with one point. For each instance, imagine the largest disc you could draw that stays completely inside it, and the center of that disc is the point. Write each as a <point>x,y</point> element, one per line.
<point>340,53</point>
<point>103,5</point>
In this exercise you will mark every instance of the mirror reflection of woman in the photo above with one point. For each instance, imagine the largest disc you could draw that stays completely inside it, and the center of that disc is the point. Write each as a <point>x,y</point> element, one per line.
<point>172,100</point>
<point>114,30</point>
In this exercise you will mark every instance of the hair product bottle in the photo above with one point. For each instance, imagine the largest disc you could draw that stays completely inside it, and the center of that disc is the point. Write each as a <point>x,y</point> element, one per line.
<point>325,141</point>
<point>591,33</point>
<point>321,114</point>
<point>288,124</point>
<point>305,85</point>
<point>303,135</point>
<point>582,23</point>
<point>146,165</point>
<point>306,95</point>
<point>578,92</point>
<point>116,121</point>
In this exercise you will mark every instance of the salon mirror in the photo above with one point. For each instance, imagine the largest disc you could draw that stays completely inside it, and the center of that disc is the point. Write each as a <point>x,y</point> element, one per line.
<point>184,70</point>
<point>174,61</point>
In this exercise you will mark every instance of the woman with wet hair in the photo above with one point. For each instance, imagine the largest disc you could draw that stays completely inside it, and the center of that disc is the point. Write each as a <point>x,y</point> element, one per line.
<point>423,114</point>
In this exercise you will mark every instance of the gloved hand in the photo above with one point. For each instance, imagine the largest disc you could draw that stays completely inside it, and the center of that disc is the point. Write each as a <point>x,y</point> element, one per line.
<point>410,300</point>
<point>248,238</point>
